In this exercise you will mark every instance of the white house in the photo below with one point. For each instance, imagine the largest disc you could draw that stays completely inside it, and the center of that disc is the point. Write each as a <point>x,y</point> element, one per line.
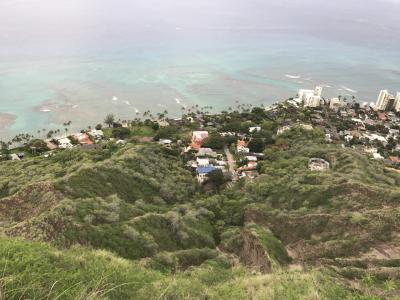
<point>348,138</point>
<point>251,158</point>
<point>96,134</point>
<point>65,143</point>
<point>208,152</point>
<point>202,162</point>
<point>165,142</point>
<point>370,150</point>
<point>375,137</point>
<point>254,129</point>
<point>377,156</point>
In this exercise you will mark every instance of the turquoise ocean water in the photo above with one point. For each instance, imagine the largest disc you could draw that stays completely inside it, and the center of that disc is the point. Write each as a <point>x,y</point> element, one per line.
<point>48,83</point>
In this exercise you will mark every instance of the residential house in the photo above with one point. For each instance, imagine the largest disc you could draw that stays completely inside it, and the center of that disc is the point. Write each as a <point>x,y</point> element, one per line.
<point>285,128</point>
<point>206,152</point>
<point>370,150</point>
<point>120,142</point>
<point>198,138</point>
<point>335,104</point>
<point>348,138</point>
<point>83,139</point>
<point>221,163</point>
<point>247,169</point>
<point>251,158</point>
<point>98,135</point>
<point>395,160</point>
<point>203,162</point>
<point>64,143</point>
<point>382,116</point>
<point>377,156</point>
<point>165,142</point>
<point>394,132</point>
<point>202,172</point>
<point>224,134</point>
<point>375,137</point>
<point>254,129</point>
<point>162,123</point>
<point>241,147</point>
<point>51,145</point>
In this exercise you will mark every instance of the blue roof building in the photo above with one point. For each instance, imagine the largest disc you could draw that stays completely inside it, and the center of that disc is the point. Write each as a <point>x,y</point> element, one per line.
<point>202,172</point>
<point>205,170</point>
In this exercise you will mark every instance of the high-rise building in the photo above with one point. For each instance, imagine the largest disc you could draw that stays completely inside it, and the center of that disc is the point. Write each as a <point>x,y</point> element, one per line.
<point>383,100</point>
<point>310,98</point>
<point>318,91</point>
<point>397,102</point>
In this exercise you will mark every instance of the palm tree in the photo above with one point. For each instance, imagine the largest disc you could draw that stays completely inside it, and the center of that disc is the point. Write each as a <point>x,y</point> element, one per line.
<point>109,120</point>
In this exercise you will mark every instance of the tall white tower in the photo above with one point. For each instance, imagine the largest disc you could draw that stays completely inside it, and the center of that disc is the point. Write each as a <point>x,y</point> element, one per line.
<point>397,102</point>
<point>383,100</point>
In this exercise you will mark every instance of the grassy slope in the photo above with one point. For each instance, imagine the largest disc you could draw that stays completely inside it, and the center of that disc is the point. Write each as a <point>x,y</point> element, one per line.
<point>139,202</point>
<point>130,204</point>
<point>32,270</point>
<point>344,214</point>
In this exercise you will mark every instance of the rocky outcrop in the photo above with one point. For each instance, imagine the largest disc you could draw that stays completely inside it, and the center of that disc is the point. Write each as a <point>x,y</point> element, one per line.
<point>253,254</point>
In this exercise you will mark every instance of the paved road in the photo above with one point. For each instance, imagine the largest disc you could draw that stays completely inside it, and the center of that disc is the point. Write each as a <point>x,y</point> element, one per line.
<point>231,161</point>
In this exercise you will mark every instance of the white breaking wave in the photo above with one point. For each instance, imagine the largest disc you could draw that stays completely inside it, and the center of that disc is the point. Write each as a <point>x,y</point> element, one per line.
<point>45,110</point>
<point>75,106</point>
<point>349,89</point>
<point>292,76</point>
<point>178,101</point>
<point>127,102</point>
<point>115,98</point>
<point>136,110</point>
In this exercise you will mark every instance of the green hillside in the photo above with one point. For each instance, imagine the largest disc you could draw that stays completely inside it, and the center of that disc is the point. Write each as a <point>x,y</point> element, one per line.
<point>131,223</point>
